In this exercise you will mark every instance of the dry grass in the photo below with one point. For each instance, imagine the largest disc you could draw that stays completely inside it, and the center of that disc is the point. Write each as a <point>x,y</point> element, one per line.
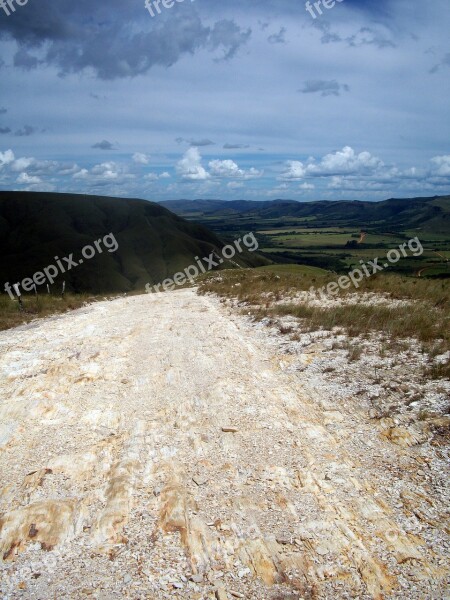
<point>425,317</point>
<point>418,321</point>
<point>438,371</point>
<point>40,306</point>
<point>256,285</point>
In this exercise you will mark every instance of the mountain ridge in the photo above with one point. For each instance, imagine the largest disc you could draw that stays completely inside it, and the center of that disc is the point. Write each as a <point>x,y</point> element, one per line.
<point>393,211</point>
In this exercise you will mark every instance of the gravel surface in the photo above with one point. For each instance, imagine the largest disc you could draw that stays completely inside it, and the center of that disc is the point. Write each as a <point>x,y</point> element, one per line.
<point>162,446</point>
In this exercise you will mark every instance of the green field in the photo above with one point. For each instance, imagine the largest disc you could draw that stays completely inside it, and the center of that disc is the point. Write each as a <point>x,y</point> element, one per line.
<point>349,248</point>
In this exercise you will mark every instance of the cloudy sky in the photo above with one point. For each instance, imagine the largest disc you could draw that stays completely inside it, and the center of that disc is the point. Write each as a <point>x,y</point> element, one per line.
<point>255,99</point>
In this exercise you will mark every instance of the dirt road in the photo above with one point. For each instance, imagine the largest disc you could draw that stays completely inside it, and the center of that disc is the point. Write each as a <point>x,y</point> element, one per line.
<point>155,447</point>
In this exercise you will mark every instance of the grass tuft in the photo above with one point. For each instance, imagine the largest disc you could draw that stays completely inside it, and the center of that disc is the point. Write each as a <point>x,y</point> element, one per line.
<point>423,315</point>
<point>40,306</point>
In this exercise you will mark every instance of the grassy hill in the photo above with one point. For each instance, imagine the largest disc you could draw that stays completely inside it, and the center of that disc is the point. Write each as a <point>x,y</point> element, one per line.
<point>334,235</point>
<point>395,214</point>
<point>153,242</point>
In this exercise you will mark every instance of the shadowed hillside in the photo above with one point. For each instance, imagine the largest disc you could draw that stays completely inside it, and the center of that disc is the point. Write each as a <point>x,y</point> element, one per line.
<point>153,242</point>
<point>426,214</point>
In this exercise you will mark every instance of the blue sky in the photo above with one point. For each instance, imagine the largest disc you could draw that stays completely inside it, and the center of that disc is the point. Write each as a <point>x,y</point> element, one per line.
<point>255,100</point>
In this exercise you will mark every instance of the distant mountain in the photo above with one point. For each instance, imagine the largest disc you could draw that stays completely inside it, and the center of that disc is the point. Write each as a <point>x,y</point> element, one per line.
<point>418,214</point>
<point>153,243</point>
<point>191,208</point>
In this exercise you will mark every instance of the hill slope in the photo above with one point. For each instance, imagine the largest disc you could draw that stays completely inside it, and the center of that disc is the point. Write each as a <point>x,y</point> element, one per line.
<point>153,242</point>
<point>427,214</point>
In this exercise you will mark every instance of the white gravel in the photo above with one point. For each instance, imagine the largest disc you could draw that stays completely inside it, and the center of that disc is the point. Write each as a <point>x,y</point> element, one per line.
<point>162,446</point>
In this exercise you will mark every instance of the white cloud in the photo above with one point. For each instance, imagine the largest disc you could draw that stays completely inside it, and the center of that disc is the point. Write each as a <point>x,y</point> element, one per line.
<point>294,170</point>
<point>6,157</point>
<point>345,161</point>
<point>342,162</point>
<point>81,174</point>
<point>355,184</point>
<point>39,167</point>
<point>108,170</point>
<point>224,168</point>
<point>140,158</point>
<point>26,179</point>
<point>441,166</point>
<point>104,173</point>
<point>156,176</point>
<point>21,164</point>
<point>362,174</point>
<point>347,170</point>
<point>190,166</point>
<point>228,168</point>
<point>65,169</point>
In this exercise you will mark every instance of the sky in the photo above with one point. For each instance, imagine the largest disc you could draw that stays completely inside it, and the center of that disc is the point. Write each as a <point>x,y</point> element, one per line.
<point>248,99</point>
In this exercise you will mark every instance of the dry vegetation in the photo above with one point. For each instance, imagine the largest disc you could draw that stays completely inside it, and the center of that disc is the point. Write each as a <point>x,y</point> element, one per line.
<point>411,308</point>
<point>35,307</point>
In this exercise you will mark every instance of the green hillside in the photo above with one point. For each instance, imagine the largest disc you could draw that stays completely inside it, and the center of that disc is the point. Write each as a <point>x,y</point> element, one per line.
<point>153,242</point>
<point>427,214</point>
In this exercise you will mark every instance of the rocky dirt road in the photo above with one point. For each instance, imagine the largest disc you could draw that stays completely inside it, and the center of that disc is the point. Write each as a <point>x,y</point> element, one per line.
<point>154,447</point>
